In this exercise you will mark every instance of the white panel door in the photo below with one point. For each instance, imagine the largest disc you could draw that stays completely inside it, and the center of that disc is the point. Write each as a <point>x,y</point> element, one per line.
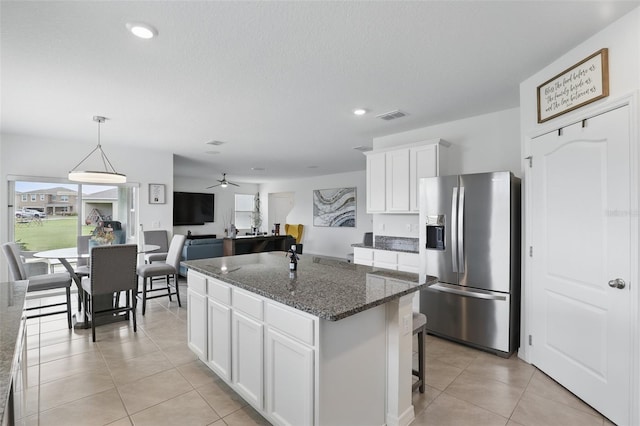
<point>219,338</point>
<point>289,376</point>
<point>580,183</point>
<point>247,358</point>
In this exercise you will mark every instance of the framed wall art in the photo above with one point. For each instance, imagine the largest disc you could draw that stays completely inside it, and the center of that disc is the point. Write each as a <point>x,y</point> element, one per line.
<point>585,82</point>
<point>334,207</point>
<point>156,193</point>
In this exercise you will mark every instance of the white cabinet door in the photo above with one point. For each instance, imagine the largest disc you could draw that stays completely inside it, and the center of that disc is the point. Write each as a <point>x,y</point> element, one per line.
<point>289,380</point>
<point>385,259</point>
<point>247,358</point>
<point>363,256</point>
<point>409,262</point>
<point>197,323</point>
<point>376,183</point>
<point>397,193</point>
<point>423,162</point>
<point>219,338</point>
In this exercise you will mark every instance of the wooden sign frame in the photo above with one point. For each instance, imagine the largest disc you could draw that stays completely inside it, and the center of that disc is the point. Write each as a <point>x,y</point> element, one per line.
<point>579,85</point>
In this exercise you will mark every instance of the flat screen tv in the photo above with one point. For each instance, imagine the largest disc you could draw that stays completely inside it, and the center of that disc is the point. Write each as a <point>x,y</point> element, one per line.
<point>192,208</point>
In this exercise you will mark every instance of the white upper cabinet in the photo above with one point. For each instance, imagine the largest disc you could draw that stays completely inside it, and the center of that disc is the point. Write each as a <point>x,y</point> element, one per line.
<point>397,177</point>
<point>393,175</point>
<point>376,182</point>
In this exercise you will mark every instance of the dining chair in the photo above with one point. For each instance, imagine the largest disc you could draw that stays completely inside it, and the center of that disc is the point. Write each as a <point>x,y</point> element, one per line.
<point>168,268</point>
<point>112,271</point>
<point>42,282</point>
<point>158,238</point>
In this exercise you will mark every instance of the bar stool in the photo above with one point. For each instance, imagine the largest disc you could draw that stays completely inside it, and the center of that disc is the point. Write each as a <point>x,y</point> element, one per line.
<point>419,328</point>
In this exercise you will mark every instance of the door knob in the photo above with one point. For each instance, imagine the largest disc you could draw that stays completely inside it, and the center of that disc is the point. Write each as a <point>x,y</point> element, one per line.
<point>617,283</point>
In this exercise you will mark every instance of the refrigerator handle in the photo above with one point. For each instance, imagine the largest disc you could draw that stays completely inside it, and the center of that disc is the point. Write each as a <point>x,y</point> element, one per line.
<point>460,240</point>
<point>461,291</point>
<point>454,229</point>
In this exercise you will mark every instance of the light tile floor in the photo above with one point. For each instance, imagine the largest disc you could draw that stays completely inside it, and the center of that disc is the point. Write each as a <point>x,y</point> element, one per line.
<point>152,378</point>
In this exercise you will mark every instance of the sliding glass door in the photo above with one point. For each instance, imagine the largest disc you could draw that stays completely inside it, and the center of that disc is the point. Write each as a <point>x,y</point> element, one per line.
<point>51,214</point>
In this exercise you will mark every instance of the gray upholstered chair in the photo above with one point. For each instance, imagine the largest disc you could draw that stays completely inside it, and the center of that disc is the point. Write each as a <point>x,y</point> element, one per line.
<point>158,238</point>
<point>61,280</point>
<point>167,269</point>
<point>82,264</point>
<point>113,270</point>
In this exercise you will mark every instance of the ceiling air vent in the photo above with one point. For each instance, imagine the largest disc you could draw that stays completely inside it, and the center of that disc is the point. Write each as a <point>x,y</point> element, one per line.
<point>391,115</point>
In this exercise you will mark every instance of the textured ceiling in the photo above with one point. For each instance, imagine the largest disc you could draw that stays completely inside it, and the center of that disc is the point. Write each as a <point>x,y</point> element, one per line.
<point>275,81</point>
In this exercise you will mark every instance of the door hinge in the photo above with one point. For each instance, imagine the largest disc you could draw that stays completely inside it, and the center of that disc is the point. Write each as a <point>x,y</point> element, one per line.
<point>530,340</point>
<point>530,158</point>
<point>530,251</point>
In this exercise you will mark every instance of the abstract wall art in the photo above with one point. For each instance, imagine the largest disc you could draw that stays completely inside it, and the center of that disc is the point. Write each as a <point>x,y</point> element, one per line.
<point>334,207</point>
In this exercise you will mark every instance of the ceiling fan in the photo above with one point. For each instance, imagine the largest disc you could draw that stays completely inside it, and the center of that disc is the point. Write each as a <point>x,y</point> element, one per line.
<point>223,182</point>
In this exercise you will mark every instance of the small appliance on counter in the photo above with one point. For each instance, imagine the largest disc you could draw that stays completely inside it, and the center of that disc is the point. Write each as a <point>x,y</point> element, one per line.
<point>470,240</point>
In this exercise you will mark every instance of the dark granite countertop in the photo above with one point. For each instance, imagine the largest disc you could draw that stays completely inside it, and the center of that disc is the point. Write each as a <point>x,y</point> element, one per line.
<point>327,288</point>
<point>12,296</point>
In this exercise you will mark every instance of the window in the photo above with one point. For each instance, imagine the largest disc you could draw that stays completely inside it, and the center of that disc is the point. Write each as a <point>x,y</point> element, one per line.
<point>243,211</point>
<point>41,197</point>
<point>24,197</point>
<point>64,198</point>
<point>53,198</point>
<point>33,197</point>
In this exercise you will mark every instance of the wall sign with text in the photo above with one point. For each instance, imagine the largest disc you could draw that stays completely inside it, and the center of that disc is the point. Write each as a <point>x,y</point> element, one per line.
<point>585,82</point>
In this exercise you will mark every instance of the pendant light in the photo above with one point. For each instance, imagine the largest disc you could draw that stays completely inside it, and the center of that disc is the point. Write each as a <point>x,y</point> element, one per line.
<point>108,175</point>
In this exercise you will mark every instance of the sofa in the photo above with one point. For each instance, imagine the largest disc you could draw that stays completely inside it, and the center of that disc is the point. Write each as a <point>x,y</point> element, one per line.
<point>200,248</point>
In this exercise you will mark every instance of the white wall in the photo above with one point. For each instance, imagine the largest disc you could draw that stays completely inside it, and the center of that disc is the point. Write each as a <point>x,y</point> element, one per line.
<point>488,142</point>
<point>223,204</point>
<point>622,38</point>
<point>47,158</point>
<point>335,242</point>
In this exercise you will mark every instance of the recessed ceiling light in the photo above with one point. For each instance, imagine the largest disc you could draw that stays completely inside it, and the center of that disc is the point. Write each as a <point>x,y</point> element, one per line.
<point>142,30</point>
<point>359,111</point>
<point>216,143</point>
<point>258,169</point>
<point>212,152</point>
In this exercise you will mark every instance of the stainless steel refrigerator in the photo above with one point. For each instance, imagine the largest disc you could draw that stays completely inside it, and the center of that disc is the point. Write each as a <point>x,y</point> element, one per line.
<point>470,241</point>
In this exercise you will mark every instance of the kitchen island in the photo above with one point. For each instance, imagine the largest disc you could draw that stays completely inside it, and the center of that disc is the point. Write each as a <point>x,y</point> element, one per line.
<point>330,344</point>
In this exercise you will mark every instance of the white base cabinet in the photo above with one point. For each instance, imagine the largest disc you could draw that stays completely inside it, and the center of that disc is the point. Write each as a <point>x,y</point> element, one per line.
<point>247,358</point>
<point>289,379</point>
<point>296,369</point>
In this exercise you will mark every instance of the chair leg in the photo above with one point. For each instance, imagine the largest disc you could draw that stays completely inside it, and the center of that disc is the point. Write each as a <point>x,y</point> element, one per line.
<point>69,306</point>
<point>421,359</point>
<point>134,304</point>
<point>175,281</point>
<point>79,300</point>
<point>93,320</point>
<point>144,296</point>
<point>168,287</point>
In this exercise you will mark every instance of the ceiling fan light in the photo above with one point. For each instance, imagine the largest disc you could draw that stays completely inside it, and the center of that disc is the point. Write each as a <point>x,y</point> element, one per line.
<point>224,184</point>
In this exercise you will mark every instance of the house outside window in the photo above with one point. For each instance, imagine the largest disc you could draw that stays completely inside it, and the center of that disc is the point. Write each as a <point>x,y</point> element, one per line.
<point>41,197</point>
<point>24,197</point>
<point>243,211</point>
<point>64,198</point>
<point>53,198</point>
<point>33,197</point>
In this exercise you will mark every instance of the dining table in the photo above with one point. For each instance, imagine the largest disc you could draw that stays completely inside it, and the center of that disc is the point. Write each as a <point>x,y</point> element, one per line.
<point>67,255</point>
